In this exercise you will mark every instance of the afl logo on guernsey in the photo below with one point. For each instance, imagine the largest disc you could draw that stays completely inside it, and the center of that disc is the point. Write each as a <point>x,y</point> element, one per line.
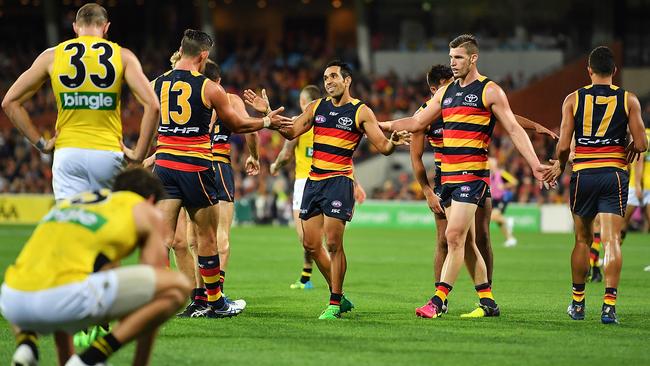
<point>471,98</point>
<point>345,121</point>
<point>447,101</point>
<point>320,119</point>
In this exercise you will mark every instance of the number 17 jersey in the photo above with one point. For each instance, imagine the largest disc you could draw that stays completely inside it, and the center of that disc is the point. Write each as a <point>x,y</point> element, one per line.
<point>601,118</point>
<point>87,76</point>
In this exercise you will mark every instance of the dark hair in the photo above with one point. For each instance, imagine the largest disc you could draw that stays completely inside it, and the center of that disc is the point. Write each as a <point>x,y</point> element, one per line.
<point>312,91</point>
<point>601,61</point>
<point>140,181</point>
<point>91,14</point>
<point>467,41</point>
<point>212,70</point>
<point>346,70</point>
<point>194,42</point>
<point>437,73</point>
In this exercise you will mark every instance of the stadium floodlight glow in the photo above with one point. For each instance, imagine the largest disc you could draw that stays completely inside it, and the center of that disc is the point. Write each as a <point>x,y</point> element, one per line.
<point>337,3</point>
<point>261,4</point>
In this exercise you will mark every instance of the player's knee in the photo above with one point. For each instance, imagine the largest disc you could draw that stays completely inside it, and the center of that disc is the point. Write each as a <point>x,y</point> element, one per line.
<point>333,247</point>
<point>179,243</point>
<point>454,238</point>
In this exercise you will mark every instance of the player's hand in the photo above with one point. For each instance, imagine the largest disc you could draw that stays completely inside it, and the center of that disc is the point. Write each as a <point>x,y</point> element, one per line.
<point>252,166</point>
<point>148,162</point>
<point>274,169</point>
<point>359,193</point>
<point>400,138</point>
<point>545,131</point>
<point>278,121</point>
<point>129,155</point>
<point>433,201</point>
<point>259,103</point>
<point>631,154</point>
<point>384,126</point>
<point>548,174</point>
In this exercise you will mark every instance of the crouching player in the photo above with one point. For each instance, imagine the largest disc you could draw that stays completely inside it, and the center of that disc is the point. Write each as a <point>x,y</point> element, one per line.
<point>66,277</point>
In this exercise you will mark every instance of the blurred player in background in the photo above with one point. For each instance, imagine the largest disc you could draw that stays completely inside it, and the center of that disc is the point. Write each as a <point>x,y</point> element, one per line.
<point>87,74</point>
<point>67,276</point>
<point>598,117</point>
<point>501,184</point>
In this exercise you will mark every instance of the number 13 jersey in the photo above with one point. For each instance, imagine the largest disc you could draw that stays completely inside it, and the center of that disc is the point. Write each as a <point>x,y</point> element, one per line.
<point>87,77</point>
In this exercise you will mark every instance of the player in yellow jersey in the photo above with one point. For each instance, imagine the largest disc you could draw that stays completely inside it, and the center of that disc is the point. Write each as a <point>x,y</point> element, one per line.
<point>67,276</point>
<point>597,117</point>
<point>302,149</point>
<point>87,74</point>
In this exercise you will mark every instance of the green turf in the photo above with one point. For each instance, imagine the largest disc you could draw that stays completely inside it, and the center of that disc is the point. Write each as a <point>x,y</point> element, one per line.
<point>389,275</point>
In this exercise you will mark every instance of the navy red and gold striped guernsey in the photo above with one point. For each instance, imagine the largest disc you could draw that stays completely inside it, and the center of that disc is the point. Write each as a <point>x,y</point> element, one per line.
<point>434,136</point>
<point>601,117</point>
<point>184,126</point>
<point>468,126</point>
<point>221,142</point>
<point>336,136</point>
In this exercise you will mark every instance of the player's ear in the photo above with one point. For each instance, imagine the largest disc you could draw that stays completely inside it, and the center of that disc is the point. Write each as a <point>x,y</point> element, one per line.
<point>473,58</point>
<point>106,26</point>
<point>75,28</point>
<point>615,70</point>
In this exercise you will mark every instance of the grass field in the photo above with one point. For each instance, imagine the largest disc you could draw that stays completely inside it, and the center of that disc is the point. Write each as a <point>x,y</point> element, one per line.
<point>389,274</point>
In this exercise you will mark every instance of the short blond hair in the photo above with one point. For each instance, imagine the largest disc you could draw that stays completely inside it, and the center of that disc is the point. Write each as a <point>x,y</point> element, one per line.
<point>92,14</point>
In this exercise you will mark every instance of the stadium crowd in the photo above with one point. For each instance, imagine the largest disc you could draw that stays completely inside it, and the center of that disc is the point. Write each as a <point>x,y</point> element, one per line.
<point>282,70</point>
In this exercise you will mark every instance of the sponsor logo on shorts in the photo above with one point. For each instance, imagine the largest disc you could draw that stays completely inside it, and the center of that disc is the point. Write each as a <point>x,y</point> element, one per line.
<point>303,210</point>
<point>336,210</point>
<point>464,195</point>
<point>337,203</point>
<point>320,119</point>
<point>89,100</point>
<point>465,189</point>
<point>447,101</point>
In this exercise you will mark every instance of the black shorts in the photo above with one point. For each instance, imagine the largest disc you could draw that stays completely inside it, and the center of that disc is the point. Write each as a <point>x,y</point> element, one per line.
<point>474,192</point>
<point>600,191</point>
<point>500,205</point>
<point>437,180</point>
<point>195,189</point>
<point>225,182</point>
<point>332,197</point>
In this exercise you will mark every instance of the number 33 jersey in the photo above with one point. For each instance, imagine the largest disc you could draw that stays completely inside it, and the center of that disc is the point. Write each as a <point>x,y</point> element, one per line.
<point>87,77</point>
<point>601,118</point>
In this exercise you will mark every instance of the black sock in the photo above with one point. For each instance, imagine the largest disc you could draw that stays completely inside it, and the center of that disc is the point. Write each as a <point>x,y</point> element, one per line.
<point>101,349</point>
<point>305,275</point>
<point>335,299</point>
<point>29,339</point>
<point>222,279</point>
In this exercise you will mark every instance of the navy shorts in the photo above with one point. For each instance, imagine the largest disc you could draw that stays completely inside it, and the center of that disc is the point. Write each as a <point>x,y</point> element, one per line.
<point>474,192</point>
<point>332,197</point>
<point>500,205</point>
<point>600,191</point>
<point>437,180</point>
<point>195,189</point>
<point>225,181</point>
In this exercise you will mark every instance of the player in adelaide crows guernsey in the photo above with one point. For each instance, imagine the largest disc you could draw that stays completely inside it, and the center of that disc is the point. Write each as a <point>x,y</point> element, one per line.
<point>339,123</point>
<point>469,107</point>
<point>598,117</point>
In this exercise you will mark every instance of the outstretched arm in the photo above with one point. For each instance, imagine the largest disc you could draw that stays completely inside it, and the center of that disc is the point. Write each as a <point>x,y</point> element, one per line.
<point>146,96</point>
<point>301,123</point>
<point>635,124</point>
<point>284,157</point>
<point>368,122</point>
<point>565,145</point>
<point>420,120</point>
<point>24,88</point>
<point>252,139</point>
<point>531,125</point>
<point>420,172</point>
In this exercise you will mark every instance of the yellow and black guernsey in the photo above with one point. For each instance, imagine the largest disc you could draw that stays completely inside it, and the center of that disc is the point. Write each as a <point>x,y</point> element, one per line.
<point>87,77</point>
<point>184,126</point>
<point>601,118</point>
<point>468,126</point>
<point>76,238</point>
<point>221,142</point>
<point>336,136</point>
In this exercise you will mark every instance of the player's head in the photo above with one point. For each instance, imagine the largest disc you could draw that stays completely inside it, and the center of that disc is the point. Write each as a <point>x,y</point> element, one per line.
<point>601,62</point>
<point>140,181</point>
<point>196,45</point>
<point>337,78</point>
<point>438,76</point>
<point>91,17</point>
<point>308,94</point>
<point>212,71</point>
<point>463,54</point>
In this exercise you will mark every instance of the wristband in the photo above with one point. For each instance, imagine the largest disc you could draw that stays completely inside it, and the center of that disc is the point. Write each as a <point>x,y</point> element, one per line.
<point>40,144</point>
<point>268,110</point>
<point>267,121</point>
